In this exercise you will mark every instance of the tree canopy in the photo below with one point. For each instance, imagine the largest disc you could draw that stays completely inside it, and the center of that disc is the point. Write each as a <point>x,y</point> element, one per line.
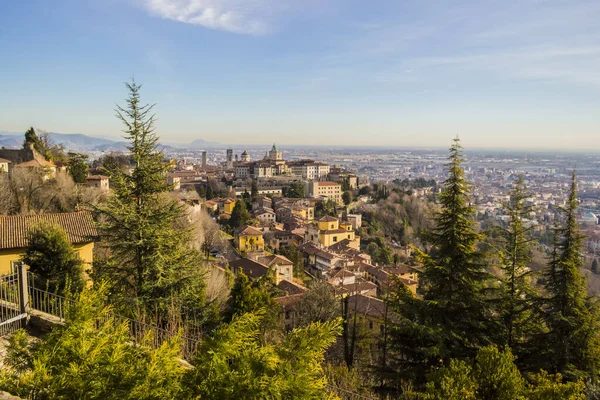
<point>151,261</point>
<point>53,260</point>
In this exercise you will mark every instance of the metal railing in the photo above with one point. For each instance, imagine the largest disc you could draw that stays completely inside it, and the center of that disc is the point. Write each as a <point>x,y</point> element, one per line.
<point>19,298</point>
<point>11,312</point>
<point>57,306</point>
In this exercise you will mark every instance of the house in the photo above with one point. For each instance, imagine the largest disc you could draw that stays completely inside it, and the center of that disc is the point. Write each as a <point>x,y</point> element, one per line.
<point>249,239</point>
<point>288,309</point>
<point>14,236</point>
<point>372,313</point>
<point>345,283</point>
<point>282,268</point>
<point>211,206</point>
<point>264,215</point>
<point>355,220</point>
<point>329,230</point>
<point>276,239</point>
<point>282,265</point>
<point>98,181</point>
<point>383,276</point>
<point>174,182</point>
<point>224,205</point>
<point>318,261</point>
<point>28,158</point>
<point>329,190</point>
<point>4,164</point>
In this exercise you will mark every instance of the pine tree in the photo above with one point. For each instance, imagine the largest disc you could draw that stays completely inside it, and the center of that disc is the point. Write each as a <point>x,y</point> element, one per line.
<point>240,215</point>
<point>91,356</point>
<point>253,297</point>
<point>78,168</point>
<point>151,262</point>
<point>517,297</point>
<point>495,376</point>
<point>254,190</point>
<point>452,318</point>
<point>570,316</point>
<point>234,364</point>
<point>31,138</point>
<point>52,259</point>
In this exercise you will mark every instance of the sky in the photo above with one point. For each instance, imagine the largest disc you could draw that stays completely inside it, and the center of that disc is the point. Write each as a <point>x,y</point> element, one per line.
<point>500,74</point>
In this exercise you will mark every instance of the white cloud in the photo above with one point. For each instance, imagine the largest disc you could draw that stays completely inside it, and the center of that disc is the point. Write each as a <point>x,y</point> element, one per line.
<point>252,17</point>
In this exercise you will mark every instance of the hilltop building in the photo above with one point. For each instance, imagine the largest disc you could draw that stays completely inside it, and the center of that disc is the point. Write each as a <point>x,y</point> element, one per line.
<point>273,165</point>
<point>328,190</point>
<point>329,230</point>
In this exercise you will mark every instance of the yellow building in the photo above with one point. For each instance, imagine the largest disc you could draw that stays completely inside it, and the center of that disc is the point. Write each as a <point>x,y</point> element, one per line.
<point>14,236</point>
<point>225,204</point>
<point>328,190</point>
<point>250,239</point>
<point>329,231</point>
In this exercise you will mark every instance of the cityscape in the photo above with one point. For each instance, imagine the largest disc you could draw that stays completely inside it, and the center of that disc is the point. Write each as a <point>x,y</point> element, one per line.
<point>231,199</point>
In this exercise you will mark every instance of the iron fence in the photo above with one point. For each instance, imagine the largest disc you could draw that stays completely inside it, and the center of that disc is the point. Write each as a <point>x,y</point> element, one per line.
<point>55,305</point>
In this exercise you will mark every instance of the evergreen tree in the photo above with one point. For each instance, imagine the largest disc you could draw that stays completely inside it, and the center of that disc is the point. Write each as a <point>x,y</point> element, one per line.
<point>494,376</point>
<point>517,297</point>
<point>296,190</point>
<point>254,190</point>
<point>52,259</point>
<point>234,364</point>
<point>151,262</point>
<point>91,356</point>
<point>451,320</point>
<point>240,215</point>
<point>570,316</point>
<point>31,138</point>
<point>347,197</point>
<point>78,168</point>
<point>252,297</point>
<point>294,255</point>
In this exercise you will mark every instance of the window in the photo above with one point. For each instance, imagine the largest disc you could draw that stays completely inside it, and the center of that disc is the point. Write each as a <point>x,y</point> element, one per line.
<point>371,325</point>
<point>335,238</point>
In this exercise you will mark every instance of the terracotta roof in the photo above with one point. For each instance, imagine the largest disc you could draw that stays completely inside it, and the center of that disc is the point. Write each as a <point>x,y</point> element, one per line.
<point>288,302</point>
<point>96,177</point>
<point>249,267</point>
<point>328,218</point>
<point>4,160</point>
<point>250,231</point>
<point>333,231</point>
<point>290,287</point>
<point>14,230</point>
<point>366,305</point>
<point>36,163</point>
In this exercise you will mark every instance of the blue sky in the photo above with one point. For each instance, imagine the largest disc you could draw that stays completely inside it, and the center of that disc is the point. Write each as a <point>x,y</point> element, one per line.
<point>522,74</point>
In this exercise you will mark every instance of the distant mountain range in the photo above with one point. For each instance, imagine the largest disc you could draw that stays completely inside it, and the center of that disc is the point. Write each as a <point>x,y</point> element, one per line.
<point>84,143</point>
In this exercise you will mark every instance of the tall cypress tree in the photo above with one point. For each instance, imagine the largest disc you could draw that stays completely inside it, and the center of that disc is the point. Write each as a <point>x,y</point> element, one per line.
<point>451,319</point>
<point>572,319</point>
<point>151,260</point>
<point>517,298</point>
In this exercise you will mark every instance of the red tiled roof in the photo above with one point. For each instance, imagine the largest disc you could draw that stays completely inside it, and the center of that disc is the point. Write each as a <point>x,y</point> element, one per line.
<point>14,230</point>
<point>250,231</point>
<point>328,218</point>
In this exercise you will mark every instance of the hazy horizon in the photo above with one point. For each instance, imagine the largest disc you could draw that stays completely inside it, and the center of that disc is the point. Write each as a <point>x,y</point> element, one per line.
<point>330,73</point>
